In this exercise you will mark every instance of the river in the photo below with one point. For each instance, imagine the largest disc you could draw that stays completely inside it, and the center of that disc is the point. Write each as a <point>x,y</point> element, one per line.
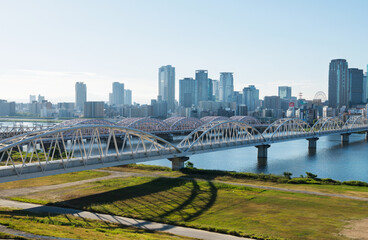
<point>331,160</point>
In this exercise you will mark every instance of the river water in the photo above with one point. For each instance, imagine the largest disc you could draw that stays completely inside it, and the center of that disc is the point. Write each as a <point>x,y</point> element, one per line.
<point>331,160</point>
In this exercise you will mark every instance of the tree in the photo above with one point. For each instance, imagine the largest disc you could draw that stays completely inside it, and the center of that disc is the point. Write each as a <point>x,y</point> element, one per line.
<point>288,175</point>
<point>311,175</point>
<point>189,164</point>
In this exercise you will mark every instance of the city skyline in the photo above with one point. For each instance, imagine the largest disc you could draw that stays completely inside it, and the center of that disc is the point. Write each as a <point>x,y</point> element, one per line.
<point>118,46</point>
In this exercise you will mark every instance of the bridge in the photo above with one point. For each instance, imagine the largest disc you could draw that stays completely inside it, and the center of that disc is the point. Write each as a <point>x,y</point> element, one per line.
<point>163,128</point>
<point>74,148</point>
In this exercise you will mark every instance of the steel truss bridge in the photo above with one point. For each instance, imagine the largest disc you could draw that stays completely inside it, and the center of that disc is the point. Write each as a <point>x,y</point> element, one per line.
<point>66,148</point>
<point>163,128</point>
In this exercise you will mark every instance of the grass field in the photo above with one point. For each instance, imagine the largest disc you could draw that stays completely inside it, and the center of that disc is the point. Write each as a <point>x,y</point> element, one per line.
<point>212,206</point>
<point>52,180</point>
<point>325,188</point>
<point>71,227</point>
<point>9,236</point>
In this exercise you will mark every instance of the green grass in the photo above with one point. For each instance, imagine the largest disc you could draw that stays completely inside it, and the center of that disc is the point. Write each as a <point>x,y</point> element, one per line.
<point>323,185</point>
<point>52,180</point>
<point>220,207</point>
<point>10,236</point>
<point>66,226</point>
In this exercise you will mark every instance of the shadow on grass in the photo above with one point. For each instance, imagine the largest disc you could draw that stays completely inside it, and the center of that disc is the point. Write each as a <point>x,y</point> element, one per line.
<point>162,199</point>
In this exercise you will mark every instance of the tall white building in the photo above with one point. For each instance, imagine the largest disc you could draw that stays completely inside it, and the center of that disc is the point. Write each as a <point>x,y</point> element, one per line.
<point>117,94</point>
<point>80,95</point>
<point>226,87</point>
<point>166,86</point>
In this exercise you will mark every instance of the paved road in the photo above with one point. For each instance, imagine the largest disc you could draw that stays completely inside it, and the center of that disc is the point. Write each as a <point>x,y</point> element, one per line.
<point>181,231</point>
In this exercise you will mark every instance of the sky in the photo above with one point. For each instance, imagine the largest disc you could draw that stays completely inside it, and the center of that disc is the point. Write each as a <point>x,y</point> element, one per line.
<point>47,46</point>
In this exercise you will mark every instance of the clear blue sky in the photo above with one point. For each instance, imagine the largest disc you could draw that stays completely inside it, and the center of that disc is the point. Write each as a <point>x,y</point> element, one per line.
<point>46,46</point>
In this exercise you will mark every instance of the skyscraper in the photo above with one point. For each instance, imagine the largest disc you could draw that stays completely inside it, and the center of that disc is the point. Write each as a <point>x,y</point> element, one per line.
<point>117,94</point>
<point>338,84</point>
<point>285,92</point>
<point>226,86</point>
<point>251,97</point>
<point>128,97</point>
<point>216,90</point>
<point>80,95</point>
<point>356,83</point>
<point>187,92</point>
<point>166,86</point>
<point>201,79</point>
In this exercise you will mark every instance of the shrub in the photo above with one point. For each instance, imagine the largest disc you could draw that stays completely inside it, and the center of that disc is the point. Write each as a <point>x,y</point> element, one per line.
<point>303,181</point>
<point>330,181</point>
<point>356,183</point>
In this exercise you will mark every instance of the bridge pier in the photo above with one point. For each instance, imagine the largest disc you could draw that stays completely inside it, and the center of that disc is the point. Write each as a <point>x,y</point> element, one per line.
<point>366,136</point>
<point>345,137</point>
<point>262,150</point>
<point>312,143</point>
<point>177,163</point>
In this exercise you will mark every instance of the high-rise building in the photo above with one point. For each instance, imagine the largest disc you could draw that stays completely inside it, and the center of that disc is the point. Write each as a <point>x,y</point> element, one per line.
<point>80,95</point>
<point>226,86</point>
<point>187,92</point>
<point>202,86</point>
<point>40,98</point>
<point>272,102</point>
<point>251,97</point>
<point>338,84</point>
<point>166,86</point>
<point>356,83</point>
<point>365,86</point>
<point>285,92</point>
<point>128,97</point>
<point>32,98</point>
<point>117,94</point>
<point>93,109</point>
<point>216,90</point>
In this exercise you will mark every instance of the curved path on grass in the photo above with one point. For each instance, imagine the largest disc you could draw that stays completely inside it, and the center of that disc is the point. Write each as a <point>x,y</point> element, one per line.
<point>154,226</point>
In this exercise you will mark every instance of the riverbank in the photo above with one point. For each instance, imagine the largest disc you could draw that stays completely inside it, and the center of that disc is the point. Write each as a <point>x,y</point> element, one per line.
<point>177,198</point>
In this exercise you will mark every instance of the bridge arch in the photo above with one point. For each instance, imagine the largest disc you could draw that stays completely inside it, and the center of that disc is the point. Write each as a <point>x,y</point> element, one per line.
<point>183,123</point>
<point>246,119</point>
<point>356,121</point>
<point>221,134</point>
<point>82,121</point>
<point>145,124</point>
<point>286,127</point>
<point>210,119</point>
<point>60,148</point>
<point>328,124</point>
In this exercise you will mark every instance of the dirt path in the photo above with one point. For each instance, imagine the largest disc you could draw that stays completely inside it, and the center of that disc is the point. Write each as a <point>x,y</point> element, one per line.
<point>25,191</point>
<point>357,229</point>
